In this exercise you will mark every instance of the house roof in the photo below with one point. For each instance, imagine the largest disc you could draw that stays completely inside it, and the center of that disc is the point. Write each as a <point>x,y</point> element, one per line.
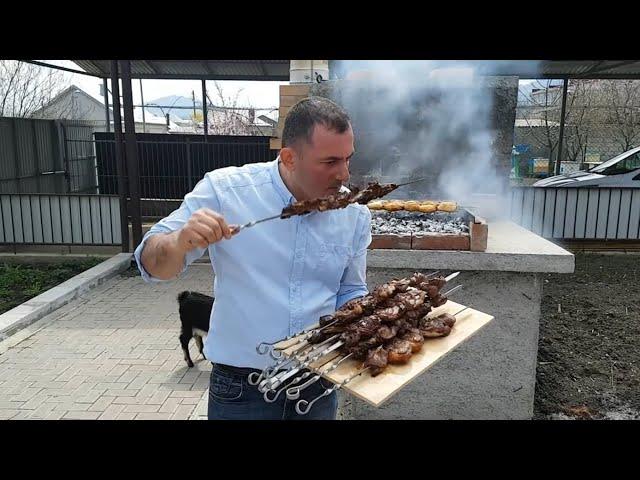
<point>150,118</point>
<point>69,91</point>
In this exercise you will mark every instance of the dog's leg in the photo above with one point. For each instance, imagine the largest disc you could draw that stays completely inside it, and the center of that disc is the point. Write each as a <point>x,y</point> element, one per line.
<point>184,341</point>
<point>200,345</point>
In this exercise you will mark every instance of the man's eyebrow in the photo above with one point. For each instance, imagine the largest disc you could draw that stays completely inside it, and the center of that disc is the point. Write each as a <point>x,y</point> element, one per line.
<point>337,158</point>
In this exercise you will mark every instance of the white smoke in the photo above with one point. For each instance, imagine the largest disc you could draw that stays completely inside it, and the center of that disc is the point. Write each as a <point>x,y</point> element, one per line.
<point>428,117</point>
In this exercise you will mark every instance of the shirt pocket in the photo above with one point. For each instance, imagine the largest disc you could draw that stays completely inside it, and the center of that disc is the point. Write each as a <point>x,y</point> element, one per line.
<point>331,261</point>
<point>224,387</point>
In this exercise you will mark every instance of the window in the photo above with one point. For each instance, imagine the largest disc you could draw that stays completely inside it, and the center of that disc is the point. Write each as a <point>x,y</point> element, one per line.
<point>629,164</point>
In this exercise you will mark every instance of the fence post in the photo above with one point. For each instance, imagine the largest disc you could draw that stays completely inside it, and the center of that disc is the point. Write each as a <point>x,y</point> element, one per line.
<point>58,165</point>
<point>65,157</point>
<point>16,160</point>
<point>189,172</point>
<point>131,149</point>
<point>36,155</point>
<point>120,164</point>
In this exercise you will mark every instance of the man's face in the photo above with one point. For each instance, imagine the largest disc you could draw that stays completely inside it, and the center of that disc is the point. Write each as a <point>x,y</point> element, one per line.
<point>321,167</point>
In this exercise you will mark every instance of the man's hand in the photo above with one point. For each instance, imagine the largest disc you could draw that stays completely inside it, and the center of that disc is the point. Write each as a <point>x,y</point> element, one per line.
<point>203,228</point>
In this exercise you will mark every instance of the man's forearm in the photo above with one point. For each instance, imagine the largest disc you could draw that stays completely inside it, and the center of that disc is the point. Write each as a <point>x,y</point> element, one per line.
<point>162,257</point>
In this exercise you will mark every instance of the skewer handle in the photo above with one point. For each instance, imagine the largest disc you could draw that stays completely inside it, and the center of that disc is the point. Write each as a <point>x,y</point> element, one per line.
<point>303,406</point>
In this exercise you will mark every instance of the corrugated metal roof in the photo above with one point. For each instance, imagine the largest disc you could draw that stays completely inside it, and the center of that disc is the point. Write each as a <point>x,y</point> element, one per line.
<point>592,68</point>
<point>278,70</point>
<point>274,70</point>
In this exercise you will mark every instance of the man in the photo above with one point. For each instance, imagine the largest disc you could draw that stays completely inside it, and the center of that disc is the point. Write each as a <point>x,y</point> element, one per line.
<point>276,278</point>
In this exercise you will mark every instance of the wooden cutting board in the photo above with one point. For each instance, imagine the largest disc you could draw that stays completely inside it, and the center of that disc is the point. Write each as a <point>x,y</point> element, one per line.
<point>376,390</point>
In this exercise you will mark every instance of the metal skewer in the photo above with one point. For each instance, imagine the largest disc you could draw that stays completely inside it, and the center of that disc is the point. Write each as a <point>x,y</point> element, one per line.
<point>269,371</point>
<point>265,347</point>
<point>287,386</point>
<point>454,289</point>
<point>236,228</point>
<point>452,276</point>
<point>276,382</point>
<point>293,393</point>
<point>412,181</point>
<point>268,347</point>
<point>303,406</point>
<point>268,382</point>
<point>255,378</point>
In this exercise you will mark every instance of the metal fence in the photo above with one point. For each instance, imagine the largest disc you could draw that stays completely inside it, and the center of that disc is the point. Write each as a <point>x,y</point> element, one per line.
<point>36,156</point>
<point>578,213</point>
<point>170,165</point>
<point>82,205</point>
<point>46,219</point>
<point>80,157</point>
<point>559,213</point>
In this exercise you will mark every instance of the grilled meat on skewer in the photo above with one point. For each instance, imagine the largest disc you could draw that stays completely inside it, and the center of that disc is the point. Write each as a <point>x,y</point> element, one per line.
<point>302,207</point>
<point>364,328</point>
<point>361,349</point>
<point>339,200</point>
<point>399,351</point>
<point>391,309</point>
<point>413,298</point>
<point>392,313</point>
<point>365,305</point>
<point>386,332</point>
<point>415,338</point>
<point>439,326</point>
<point>374,190</point>
<point>412,317</point>
<point>377,360</point>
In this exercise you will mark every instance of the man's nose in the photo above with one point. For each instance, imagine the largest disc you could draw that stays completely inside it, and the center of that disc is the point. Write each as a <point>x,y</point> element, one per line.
<point>343,174</point>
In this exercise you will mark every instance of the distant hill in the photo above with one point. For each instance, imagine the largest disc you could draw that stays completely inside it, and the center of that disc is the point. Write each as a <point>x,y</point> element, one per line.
<point>176,101</point>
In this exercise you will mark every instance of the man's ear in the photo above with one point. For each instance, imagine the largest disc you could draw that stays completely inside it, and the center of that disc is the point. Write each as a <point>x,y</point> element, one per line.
<point>287,157</point>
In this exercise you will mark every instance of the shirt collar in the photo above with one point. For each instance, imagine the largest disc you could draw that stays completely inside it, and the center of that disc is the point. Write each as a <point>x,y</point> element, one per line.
<point>281,188</point>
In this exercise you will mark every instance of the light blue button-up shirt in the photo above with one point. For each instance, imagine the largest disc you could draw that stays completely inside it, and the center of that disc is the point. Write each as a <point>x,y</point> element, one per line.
<point>276,278</point>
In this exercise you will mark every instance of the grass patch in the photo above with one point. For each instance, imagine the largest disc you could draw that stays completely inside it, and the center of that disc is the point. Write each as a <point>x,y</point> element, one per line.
<point>21,282</point>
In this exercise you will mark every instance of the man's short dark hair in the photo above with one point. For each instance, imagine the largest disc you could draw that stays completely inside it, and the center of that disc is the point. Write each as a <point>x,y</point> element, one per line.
<point>308,113</point>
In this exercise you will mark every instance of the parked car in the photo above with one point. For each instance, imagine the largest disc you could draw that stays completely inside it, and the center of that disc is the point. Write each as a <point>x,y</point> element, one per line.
<point>620,171</point>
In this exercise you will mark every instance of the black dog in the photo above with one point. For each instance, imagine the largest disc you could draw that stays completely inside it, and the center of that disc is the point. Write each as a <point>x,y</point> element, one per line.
<point>195,311</point>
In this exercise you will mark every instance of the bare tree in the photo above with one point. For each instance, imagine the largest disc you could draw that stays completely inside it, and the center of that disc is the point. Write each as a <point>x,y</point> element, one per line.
<point>542,116</point>
<point>226,117</point>
<point>622,117</point>
<point>25,88</point>
<point>579,118</point>
<point>597,111</point>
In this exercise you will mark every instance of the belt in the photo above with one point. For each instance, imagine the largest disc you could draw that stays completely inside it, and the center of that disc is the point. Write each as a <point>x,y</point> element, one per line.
<point>240,370</point>
<point>236,370</point>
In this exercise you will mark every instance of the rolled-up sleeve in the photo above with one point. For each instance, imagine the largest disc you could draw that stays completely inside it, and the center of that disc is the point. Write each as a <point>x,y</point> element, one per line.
<point>354,280</point>
<point>202,196</point>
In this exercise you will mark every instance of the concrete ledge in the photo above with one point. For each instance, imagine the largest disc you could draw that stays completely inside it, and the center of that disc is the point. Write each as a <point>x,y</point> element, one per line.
<point>464,260</point>
<point>510,248</point>
<point>45,303</point>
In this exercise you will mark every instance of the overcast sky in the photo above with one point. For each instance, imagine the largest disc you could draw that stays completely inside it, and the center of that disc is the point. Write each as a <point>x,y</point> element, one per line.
<point>254,94</point>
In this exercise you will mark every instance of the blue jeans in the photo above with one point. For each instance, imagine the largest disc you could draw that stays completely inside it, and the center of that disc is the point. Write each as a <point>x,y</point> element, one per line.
<point>231,397</point>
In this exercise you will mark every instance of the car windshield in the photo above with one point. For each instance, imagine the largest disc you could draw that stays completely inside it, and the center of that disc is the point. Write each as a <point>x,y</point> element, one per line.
<point>618,165</point>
